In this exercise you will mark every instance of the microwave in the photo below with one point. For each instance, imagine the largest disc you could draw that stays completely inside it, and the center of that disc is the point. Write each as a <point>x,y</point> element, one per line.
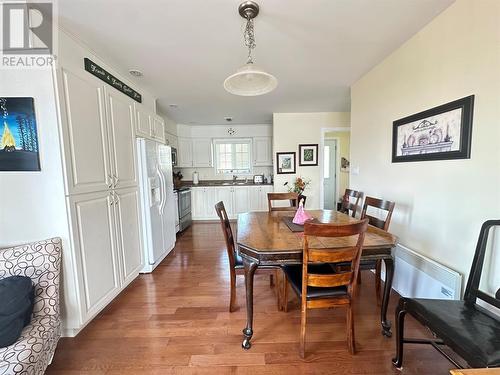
<point>174,156</point>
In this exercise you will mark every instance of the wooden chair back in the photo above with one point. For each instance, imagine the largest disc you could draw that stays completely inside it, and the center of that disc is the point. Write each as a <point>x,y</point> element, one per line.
<point>293,198</point>
<point>381,204</point>
<point>351,254</point>
<point>347,205</point>
<point>228,233</point>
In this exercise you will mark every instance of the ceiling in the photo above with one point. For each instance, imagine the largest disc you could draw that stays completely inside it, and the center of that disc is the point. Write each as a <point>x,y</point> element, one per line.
<point>186,48</point>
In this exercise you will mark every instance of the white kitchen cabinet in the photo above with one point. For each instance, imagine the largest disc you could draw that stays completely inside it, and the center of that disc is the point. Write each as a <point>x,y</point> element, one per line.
<point>225,194</point>
<point>171,140</point>
<point>93,223</point>
<point>85,135</point>
<point>185,152</point>
<point>157,128</point>
<point>128,233</point>
<point>241,201</point>
<point>262,151</point>
<point>203,200</point>
<point>202,152</point>
<point>120,111</point>
<point>258,197</point>
<point>142,121</point>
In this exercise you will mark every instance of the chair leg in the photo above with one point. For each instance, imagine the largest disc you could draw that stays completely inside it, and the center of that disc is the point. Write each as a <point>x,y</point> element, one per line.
<point>359,277</point>
<point>285,294</point>
<point>378,272</point>
<point>278,277</point>
<point>303,320</point>
<point>271,280</point>
<point>232,302</point>
<point>400,325</point>
<point>351,342</point>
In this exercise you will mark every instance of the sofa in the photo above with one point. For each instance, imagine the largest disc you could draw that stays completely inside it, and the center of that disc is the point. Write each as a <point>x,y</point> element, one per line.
<point>33,351</point>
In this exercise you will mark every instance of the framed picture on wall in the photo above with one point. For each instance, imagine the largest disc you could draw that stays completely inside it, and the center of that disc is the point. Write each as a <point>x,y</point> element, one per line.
<point>285,162</point>
<point>440,133</point>
<point>18,135</point>
<point>308,155</point>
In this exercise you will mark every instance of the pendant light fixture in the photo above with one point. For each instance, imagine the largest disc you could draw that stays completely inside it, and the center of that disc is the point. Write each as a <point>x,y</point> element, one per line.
<point>250,80</point>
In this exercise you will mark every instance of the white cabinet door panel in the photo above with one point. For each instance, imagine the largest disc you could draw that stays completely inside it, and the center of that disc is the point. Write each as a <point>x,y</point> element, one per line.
<point>128,233</point>
<point>185,152</point>
<point>241,199</point>
<point>225,194</point>
<point>262,151</point>
<point>263,196</point>
<point>84,133</point>
<point>157,128</point>
<point>254,193</point>
<point>143,124</point>
<point>197,203</point>
<point>202,152</point>
<point>93,229</point>
<point>122,135</point>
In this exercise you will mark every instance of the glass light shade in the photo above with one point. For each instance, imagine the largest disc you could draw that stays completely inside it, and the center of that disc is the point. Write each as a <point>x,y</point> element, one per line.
<point>249,80</point>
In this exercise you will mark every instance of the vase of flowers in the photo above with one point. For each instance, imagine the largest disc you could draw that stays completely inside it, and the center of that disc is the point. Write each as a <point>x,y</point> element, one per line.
<point>299,185</point>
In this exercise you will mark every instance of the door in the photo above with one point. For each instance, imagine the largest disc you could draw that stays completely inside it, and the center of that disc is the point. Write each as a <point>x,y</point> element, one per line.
<point>241,199</point>
<point>142,125</point>
<point>84,133</point>
<point>202,152</point>
<point>122,136</point>
<point>157,128</point>
<point>128,233</point>
<point>262,149</point>
<point>185,152</point>
<point>168,201</point>
<point>93,223</point>
<point>329,174</point>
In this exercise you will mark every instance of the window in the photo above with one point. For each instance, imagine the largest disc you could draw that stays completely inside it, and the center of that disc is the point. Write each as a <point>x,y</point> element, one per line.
<point>233,156</point>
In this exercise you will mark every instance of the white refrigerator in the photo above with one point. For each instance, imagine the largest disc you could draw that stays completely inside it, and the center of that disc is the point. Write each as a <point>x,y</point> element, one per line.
<point>157,201</point>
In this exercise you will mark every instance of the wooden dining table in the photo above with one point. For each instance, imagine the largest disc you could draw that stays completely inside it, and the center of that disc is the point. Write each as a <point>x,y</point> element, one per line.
<point>263,238</point>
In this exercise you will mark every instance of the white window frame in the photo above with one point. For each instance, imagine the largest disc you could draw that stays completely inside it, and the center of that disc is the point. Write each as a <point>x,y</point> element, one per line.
<point>248,141</point>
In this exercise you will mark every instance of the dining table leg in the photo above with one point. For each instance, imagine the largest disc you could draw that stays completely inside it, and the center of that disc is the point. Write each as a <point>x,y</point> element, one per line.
<point>250,267</point>
<point>389,274</point>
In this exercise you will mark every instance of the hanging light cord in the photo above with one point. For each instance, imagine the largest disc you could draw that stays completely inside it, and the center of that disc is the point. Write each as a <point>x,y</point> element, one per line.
<point>249,37</point>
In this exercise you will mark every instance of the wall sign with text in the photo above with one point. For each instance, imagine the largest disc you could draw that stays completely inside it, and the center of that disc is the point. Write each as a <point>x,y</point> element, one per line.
<point>111,80</point>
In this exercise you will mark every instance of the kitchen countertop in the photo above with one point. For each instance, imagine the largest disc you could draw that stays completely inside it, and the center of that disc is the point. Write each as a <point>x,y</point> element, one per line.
<point>216,183</point>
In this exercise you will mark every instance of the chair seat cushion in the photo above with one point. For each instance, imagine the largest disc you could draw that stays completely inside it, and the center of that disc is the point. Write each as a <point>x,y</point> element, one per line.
<point>17,296</point>
<point>470,330</point>
<point>294,276</point>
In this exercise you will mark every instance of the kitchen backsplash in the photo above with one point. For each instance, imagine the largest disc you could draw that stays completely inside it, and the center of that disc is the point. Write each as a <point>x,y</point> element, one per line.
<point>209,173</point>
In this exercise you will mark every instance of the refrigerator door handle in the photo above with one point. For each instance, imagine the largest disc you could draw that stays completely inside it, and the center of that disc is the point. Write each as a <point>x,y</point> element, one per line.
<point>162,191</point>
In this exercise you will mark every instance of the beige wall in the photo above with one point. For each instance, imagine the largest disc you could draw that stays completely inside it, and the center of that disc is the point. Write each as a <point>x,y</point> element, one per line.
<point>440,205</point>
<point>344,145</point>
<point>292,129</point>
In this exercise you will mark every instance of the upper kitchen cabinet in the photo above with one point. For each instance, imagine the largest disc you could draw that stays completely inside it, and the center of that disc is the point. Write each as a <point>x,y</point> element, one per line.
<point>262,151</point>
<point>85,134</point>
<point>120,110</point>
<point>185,152</point>
<point>171,140</point>
<point>202,152</point>
<point>142,121</point>
<point>157,128</point>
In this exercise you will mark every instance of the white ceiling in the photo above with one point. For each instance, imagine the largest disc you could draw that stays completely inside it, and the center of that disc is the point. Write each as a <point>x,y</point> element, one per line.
<point>186,48</point>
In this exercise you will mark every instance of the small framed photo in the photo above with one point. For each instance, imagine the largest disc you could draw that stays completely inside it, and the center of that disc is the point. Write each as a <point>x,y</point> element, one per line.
<point>285,162</point>
<point>440,133</point>
<point>308,155</point>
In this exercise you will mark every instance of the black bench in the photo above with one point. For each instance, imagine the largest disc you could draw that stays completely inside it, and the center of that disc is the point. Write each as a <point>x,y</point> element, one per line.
<point>468,329</point>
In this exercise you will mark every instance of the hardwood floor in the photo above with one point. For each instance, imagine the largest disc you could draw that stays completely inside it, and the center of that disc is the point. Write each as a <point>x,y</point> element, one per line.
<point>176,321</point>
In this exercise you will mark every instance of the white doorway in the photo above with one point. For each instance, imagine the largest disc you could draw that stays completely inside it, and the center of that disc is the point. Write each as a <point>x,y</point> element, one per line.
<point>330,174</point>
<point>334,155</point>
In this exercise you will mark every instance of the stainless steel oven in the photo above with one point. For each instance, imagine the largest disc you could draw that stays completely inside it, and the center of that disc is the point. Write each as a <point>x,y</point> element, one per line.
<point>184,208</point>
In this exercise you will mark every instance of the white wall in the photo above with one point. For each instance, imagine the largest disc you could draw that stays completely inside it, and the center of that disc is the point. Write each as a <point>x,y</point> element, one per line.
<point>440,205</point>
<point>221,131</point>
<point>292,129</point>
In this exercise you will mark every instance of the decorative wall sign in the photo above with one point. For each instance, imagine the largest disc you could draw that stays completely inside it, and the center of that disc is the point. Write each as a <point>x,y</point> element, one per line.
<point>308,155</point>
<point>18,135</point>
<point>440,133</point>
<point>285,162</point>
<point>111,80</point>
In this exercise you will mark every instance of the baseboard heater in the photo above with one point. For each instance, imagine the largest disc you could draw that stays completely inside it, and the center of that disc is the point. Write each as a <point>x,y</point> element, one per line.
<point>420,277</point>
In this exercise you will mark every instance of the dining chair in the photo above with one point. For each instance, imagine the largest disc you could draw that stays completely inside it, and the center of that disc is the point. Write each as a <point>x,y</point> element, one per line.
<point>316,283</point>
<point>236,263</point>
<point>388,208</point>
<point>293,198</point>
<point>347,205</point>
